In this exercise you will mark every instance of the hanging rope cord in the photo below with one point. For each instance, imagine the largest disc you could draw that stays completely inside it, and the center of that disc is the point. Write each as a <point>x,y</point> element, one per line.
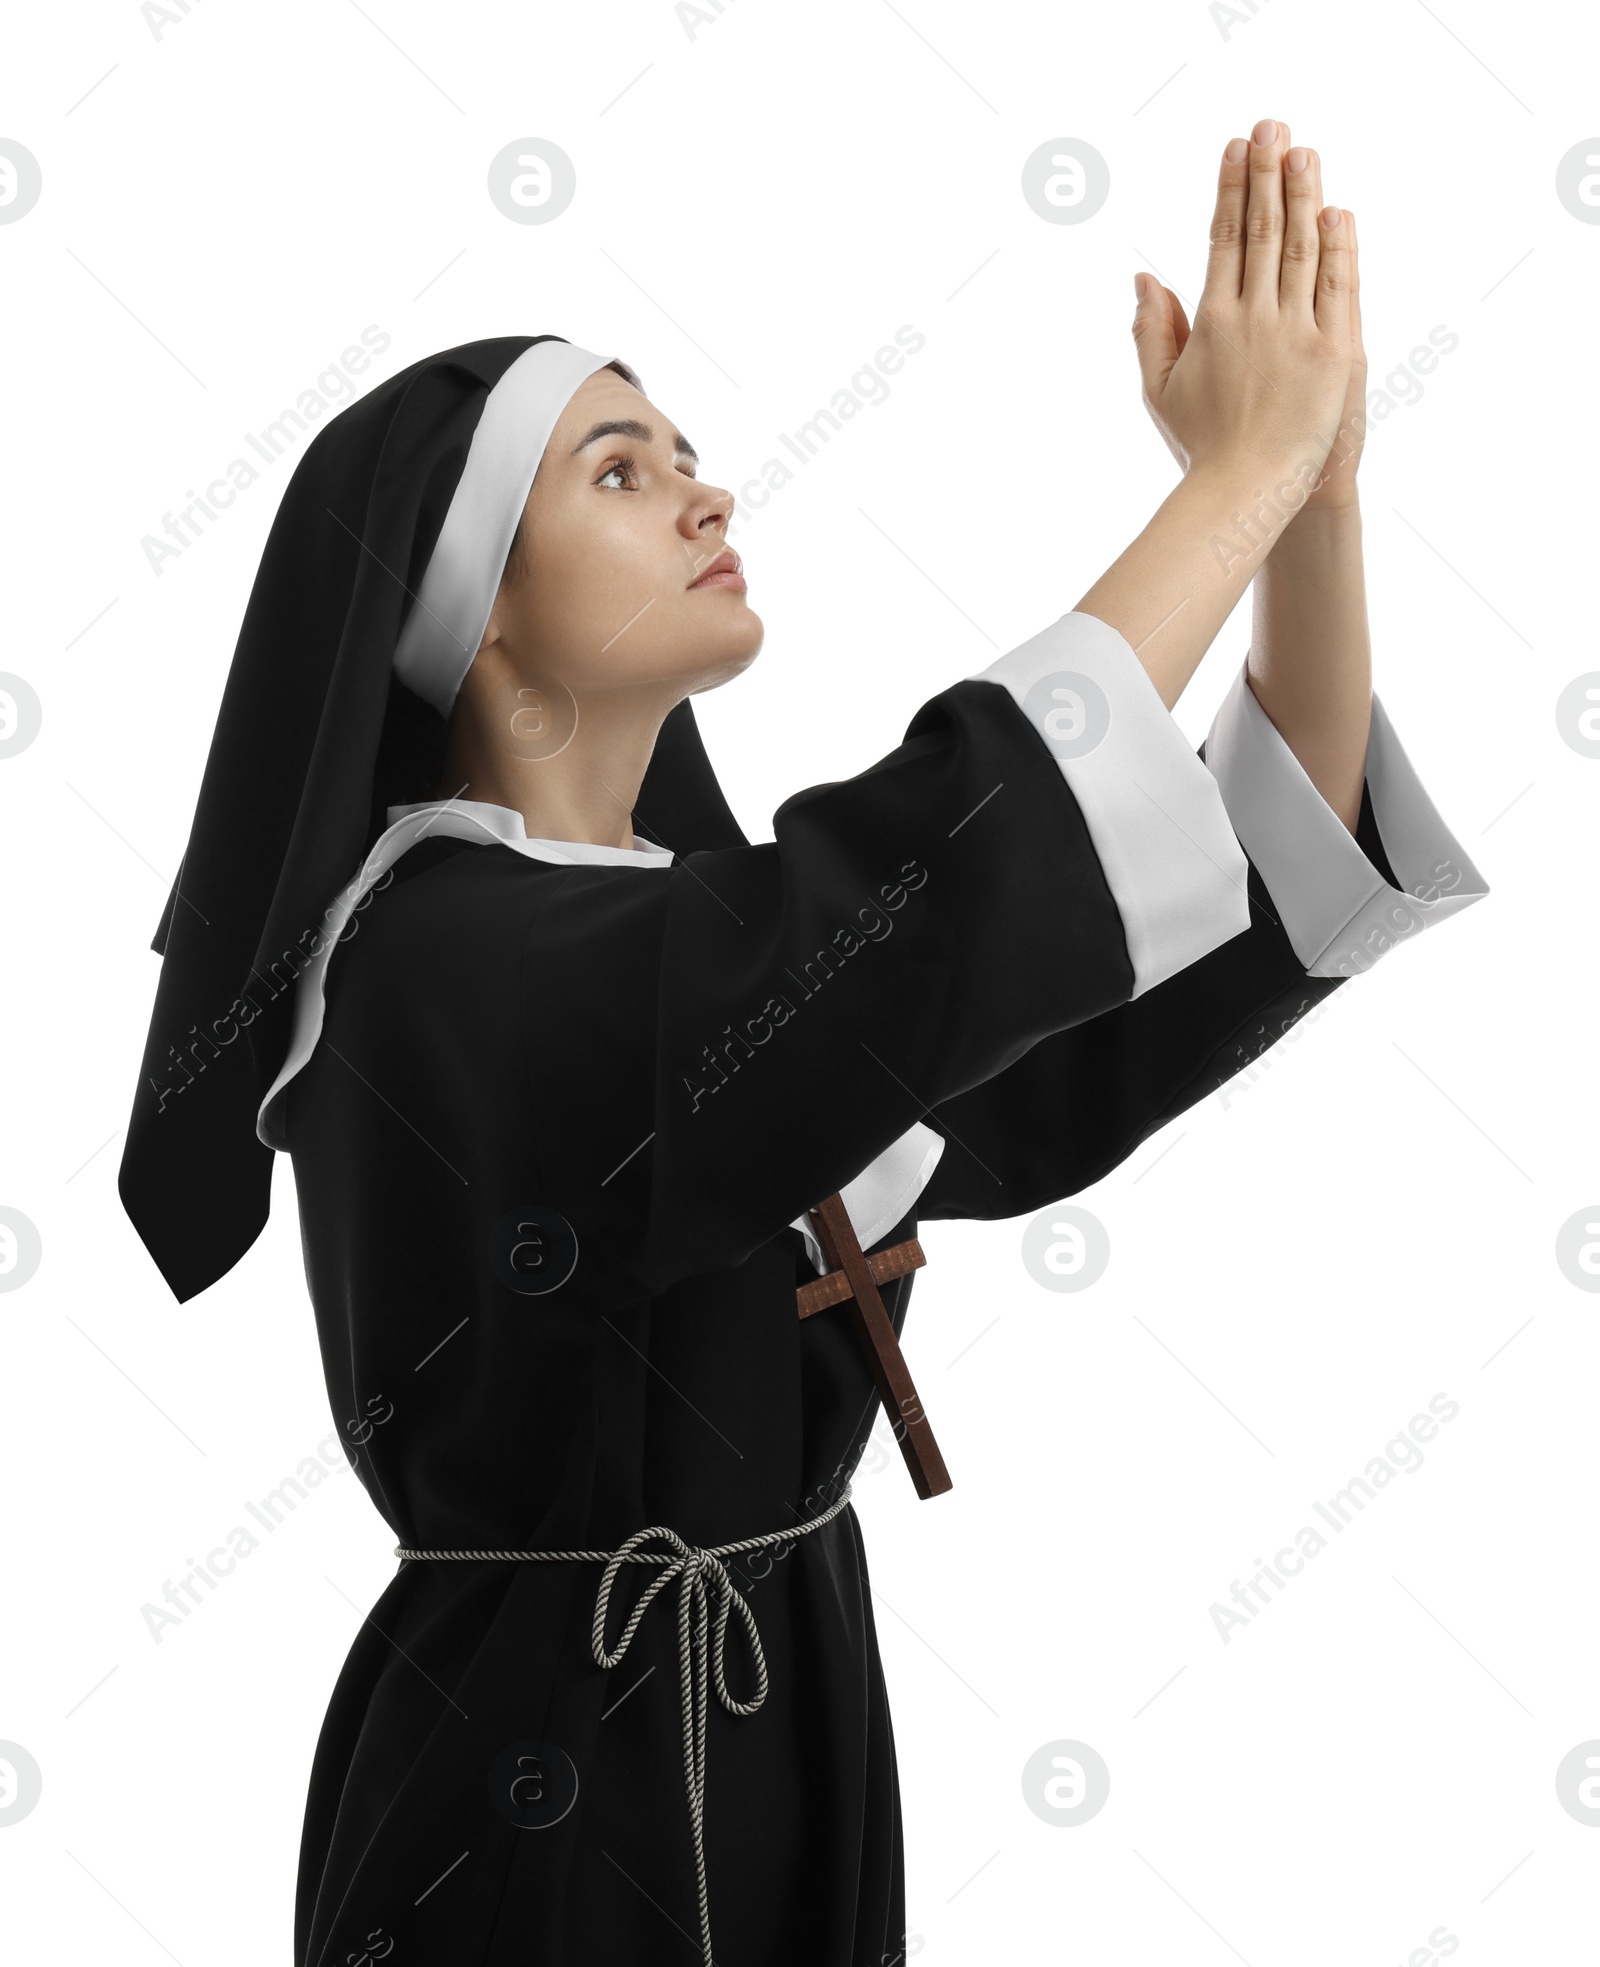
<point>700,1571</point>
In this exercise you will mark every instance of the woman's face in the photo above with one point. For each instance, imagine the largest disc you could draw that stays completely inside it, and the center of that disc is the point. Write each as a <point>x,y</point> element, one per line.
<point>616,529</point>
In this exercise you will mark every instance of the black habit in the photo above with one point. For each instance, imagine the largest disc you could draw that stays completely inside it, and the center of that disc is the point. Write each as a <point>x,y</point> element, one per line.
<point>553,1143</point>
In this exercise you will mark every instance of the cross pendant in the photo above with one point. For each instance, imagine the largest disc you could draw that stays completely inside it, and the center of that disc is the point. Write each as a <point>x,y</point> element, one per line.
<point>853,1278</point>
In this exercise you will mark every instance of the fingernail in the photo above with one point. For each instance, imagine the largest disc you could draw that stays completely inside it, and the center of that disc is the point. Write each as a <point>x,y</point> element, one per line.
<point>1138,288</point>
<point>1237,151</point>
<point>1298,159</point>
<point>1330,217</point>
<point>1266,131</point>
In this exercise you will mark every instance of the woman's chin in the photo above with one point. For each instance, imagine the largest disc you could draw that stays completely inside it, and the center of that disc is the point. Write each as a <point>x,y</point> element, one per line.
<point>735,664</point>
<point>739,635</point>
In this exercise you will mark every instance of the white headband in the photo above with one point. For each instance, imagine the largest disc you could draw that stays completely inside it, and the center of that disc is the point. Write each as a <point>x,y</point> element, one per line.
<point>445,627</point>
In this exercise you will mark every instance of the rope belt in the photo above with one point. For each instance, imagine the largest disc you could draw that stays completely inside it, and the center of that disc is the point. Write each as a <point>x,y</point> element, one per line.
<point>696,1568</point>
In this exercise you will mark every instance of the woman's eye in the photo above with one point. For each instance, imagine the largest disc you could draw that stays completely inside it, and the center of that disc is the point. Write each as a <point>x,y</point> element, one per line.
<point>629,468</point>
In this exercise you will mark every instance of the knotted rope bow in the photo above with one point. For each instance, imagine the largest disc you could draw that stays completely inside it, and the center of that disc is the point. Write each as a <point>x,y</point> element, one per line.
<point>700,1571</point>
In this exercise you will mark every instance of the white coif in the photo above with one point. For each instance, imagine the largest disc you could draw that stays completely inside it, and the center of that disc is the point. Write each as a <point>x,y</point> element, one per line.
<point>443,631</point>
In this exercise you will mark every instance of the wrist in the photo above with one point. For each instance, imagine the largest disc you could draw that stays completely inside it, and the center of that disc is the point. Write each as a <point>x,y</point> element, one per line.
<point>1343,507</point>
<point>1220,491</point>
<point>1278,488</point>
<point>1245,510</point>
<point>1320,538</point>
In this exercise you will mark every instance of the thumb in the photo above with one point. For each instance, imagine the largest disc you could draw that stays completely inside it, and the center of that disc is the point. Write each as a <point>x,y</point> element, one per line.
<point>1180,320</point>
<point>1154,338</point>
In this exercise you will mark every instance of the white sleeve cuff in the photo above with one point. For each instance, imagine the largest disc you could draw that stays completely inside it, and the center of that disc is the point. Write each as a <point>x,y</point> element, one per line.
<point>883,1192</point>
<point>1338,911</point>
<point>1155,815</point>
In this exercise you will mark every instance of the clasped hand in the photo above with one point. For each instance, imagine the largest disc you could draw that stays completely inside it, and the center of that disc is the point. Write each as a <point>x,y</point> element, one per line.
<point>1271,379</point>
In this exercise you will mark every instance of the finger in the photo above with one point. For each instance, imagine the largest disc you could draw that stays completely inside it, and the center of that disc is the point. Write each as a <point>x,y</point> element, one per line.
<point>1353,430</point>
<point>1180,322</point>
<point>1333,274</point>
<point>1356,344</point>
<point>1302,250</point>
<point>1152,336</point>
<point>1263,228</point>
<point>1225,265</point>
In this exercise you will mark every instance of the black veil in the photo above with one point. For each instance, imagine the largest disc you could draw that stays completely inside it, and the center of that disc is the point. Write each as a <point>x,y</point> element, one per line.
<point>315,738</point>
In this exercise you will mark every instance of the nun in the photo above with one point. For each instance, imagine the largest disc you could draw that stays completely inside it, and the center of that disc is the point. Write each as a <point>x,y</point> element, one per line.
<point>565,1066</point>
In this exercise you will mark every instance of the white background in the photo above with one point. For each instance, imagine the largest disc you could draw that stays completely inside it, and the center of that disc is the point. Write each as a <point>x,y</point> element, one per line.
<point>1295,1271</point>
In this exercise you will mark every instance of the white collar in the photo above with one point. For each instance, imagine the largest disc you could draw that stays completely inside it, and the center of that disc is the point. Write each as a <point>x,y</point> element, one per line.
<point>507,825</point>
<point>458,819</point>
<point>875,1201</point>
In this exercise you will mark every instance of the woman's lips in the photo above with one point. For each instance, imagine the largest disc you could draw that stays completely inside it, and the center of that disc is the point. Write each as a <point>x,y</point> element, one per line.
<point>726,577</point>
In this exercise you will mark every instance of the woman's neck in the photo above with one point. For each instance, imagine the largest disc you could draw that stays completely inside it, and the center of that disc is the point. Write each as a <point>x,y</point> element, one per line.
<point>571,767</point>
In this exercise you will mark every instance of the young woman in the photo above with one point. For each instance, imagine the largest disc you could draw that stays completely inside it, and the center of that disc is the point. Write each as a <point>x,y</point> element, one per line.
<point>562,1063</point>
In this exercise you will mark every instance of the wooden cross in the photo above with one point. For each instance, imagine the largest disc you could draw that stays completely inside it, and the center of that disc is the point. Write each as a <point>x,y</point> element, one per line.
<point>853,1278</point>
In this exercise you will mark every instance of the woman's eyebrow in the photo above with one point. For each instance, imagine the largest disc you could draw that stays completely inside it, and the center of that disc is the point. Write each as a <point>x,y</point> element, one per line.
<point>641,433</point>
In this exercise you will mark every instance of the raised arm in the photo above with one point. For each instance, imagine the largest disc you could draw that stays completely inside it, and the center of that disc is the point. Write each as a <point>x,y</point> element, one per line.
<point>1310,662</point>
<point>1302,751</point>
<point>1274,246</point>
<point>1043,933</point>
<point>1248,401</point>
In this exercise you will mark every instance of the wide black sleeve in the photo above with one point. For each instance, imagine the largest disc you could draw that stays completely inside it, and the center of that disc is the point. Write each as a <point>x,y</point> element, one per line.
<point>1324,907</point>
<point>714,1047</point>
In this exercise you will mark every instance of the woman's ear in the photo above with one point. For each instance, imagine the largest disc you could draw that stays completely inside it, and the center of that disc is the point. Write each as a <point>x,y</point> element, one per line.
<point>493,635</point>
